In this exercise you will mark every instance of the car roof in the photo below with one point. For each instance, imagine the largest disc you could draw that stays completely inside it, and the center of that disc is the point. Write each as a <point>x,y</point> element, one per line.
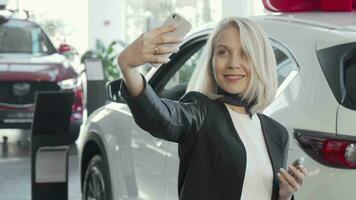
<point>21,22</point>
<point>344,21</point>
<point>330,20</point>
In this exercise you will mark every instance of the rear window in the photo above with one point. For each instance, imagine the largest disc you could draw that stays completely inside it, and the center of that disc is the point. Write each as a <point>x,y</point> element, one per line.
<point>339,67</point>
<point>350,77</point>
<point>18,36</point>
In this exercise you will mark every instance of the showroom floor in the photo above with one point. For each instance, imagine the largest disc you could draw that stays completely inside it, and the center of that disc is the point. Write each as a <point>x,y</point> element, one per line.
<point>15,171</point>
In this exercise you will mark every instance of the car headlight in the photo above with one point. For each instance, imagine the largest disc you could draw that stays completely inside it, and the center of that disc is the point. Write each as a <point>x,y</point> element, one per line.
<point>70,83</point>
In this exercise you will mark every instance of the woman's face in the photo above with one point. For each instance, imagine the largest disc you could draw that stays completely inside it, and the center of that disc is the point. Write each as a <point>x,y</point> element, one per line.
<point>231,65</point>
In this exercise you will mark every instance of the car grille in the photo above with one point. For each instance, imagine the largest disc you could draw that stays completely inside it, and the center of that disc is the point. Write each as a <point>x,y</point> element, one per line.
<point>19,93</point>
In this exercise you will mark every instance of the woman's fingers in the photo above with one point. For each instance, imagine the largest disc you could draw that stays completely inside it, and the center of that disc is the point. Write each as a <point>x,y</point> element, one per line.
<point>163,29</point>
<point>297,174</point>
<point>158,59</point>
<point>303,170</point>
<point>290,179</point>
<point>291,183</point>
<point>161,49</point>
<point>156,52</point>
<point>284,183</point>
<point>167,39</point>
<point>150,47</point>
<point>161,36</point>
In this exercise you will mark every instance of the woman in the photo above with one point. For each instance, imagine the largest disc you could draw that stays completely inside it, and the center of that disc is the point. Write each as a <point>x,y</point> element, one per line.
<point>227,149</point>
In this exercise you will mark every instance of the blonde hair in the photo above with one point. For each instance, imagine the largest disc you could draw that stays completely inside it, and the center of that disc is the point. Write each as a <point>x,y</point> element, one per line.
<point>262,86</point>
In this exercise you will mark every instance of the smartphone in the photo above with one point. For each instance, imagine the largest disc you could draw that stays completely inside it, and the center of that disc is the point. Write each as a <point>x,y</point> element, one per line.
<point>297,162</point>
<point>183,27</point>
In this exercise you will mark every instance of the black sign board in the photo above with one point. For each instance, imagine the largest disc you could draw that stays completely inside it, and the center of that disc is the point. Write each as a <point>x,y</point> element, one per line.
<point>50,142</point>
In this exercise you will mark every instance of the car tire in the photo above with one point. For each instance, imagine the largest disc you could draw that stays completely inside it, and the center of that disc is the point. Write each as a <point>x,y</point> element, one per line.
<point>96,181</point>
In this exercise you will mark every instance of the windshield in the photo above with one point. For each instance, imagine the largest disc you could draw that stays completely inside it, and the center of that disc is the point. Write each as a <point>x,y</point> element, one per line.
<point>18,36</point>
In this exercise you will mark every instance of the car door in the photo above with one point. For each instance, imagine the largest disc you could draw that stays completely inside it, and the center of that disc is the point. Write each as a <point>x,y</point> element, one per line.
<point>149,163</point>
<point>141,157</point>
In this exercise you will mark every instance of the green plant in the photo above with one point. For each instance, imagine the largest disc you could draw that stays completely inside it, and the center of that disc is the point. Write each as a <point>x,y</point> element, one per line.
<point>108,55</point>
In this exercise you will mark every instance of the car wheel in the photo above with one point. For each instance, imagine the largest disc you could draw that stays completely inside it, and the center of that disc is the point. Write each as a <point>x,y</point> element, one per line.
<point>96,181</point>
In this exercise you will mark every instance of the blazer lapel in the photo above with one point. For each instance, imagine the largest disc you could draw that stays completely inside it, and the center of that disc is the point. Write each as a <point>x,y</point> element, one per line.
<point>274,150</point>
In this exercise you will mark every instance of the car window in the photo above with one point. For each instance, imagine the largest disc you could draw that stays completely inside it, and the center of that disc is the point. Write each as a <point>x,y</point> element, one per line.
<point>285,62</point>
<point>175,80</point>
<point>23,37</point>
<point>350,74</point>
<point>182,76</point>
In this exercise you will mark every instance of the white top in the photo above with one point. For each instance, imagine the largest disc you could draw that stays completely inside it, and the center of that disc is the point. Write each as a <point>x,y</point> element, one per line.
<point>259,173</point>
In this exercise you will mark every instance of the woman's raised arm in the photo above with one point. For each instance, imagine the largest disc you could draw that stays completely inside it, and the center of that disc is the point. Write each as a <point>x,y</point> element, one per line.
<point>162,118</point>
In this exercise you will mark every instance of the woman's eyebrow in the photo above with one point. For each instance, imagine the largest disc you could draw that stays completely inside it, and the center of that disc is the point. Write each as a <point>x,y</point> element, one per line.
<point>223,46</point>
<point>227,47</point>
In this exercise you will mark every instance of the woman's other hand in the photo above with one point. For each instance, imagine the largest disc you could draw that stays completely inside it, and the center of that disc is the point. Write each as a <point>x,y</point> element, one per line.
<point>290,182</point>
<point>150,47</point>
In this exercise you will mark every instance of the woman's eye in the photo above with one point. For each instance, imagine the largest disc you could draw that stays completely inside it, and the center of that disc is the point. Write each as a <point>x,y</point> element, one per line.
<point>222,52</point>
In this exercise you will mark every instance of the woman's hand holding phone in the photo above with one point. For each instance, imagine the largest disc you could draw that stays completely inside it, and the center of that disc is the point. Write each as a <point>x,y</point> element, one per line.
<point>150,47</point>
<point>291,180</point>
<point>153,47</point>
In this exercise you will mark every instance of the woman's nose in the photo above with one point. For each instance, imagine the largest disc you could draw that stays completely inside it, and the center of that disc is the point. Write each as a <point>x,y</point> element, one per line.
<point>235,62</point>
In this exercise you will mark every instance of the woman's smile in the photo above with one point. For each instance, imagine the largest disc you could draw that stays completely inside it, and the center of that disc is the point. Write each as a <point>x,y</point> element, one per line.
<point>233,77</point>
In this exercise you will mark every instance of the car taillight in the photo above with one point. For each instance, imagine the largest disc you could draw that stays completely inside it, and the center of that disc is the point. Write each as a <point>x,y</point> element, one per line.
<point>328,149</point>
<point>77,108</point>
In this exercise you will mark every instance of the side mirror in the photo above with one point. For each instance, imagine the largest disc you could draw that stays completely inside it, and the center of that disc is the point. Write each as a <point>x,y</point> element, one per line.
<point>112,91</point>
<point>63,48</point>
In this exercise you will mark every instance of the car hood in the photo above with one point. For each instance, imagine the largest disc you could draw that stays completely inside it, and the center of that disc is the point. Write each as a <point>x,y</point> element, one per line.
<point>24,67</point>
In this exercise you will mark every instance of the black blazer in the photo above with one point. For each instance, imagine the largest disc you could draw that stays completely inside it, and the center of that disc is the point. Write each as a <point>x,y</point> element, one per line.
<point>212,156</point>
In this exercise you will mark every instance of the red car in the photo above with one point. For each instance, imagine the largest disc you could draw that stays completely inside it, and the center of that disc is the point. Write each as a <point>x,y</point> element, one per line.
<point>29,63</point>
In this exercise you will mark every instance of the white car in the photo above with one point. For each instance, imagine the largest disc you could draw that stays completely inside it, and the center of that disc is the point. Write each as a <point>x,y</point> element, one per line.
<point>316,101</point>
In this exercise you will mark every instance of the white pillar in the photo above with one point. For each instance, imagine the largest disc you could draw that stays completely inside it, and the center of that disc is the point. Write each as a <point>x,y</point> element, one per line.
<point>241,8</point>
<point>106,21</point>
